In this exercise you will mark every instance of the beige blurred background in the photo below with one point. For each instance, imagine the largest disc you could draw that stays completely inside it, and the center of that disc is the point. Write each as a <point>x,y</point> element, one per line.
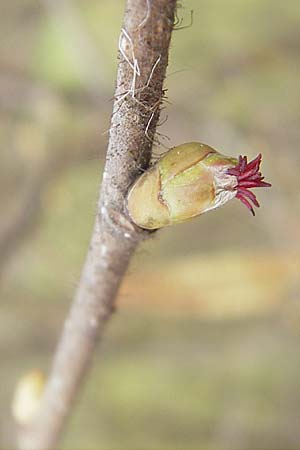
<point>204,350</point>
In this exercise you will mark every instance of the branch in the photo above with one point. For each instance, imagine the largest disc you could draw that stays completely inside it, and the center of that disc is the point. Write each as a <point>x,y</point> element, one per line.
<point>144,44</point>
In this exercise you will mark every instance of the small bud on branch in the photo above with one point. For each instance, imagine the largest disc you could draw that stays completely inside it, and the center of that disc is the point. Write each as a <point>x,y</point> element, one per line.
<point>190,180</point>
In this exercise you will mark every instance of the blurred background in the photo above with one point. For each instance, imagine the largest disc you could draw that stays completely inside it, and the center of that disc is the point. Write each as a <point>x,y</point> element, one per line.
<point>204,349</point>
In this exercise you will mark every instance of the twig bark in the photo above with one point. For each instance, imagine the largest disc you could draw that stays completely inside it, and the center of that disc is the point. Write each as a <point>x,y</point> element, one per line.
<point>144,44</point>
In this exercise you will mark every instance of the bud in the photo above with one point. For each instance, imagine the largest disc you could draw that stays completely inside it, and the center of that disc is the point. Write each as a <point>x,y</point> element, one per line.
<point>190,180</point>
<point>27,396</point>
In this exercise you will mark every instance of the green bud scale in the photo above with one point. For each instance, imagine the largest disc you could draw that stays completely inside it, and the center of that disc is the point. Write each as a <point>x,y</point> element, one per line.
<point>189,180</point>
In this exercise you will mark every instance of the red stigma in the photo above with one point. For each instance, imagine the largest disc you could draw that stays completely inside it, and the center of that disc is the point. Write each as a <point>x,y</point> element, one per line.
<point>248,176</point>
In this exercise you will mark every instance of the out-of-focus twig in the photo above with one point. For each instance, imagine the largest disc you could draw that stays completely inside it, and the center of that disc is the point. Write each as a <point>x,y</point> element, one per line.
<point>15,227</point>
<point>144,45</point>
<point>78,43</point>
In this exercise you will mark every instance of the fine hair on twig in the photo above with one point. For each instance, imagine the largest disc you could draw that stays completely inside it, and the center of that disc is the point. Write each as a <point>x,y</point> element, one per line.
<point>178,21</point>
<point>147,15</point>
<point>124,40</point>
<point>122,48</point>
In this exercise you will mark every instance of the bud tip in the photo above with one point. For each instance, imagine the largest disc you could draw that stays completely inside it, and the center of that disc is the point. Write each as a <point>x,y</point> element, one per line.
<point>248,176</point>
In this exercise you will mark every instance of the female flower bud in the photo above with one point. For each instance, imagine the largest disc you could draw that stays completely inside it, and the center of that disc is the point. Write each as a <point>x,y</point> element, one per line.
<point>189,180</point>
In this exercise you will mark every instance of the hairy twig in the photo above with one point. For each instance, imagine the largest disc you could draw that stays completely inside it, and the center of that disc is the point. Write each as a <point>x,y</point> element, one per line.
<point>149,25</point>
